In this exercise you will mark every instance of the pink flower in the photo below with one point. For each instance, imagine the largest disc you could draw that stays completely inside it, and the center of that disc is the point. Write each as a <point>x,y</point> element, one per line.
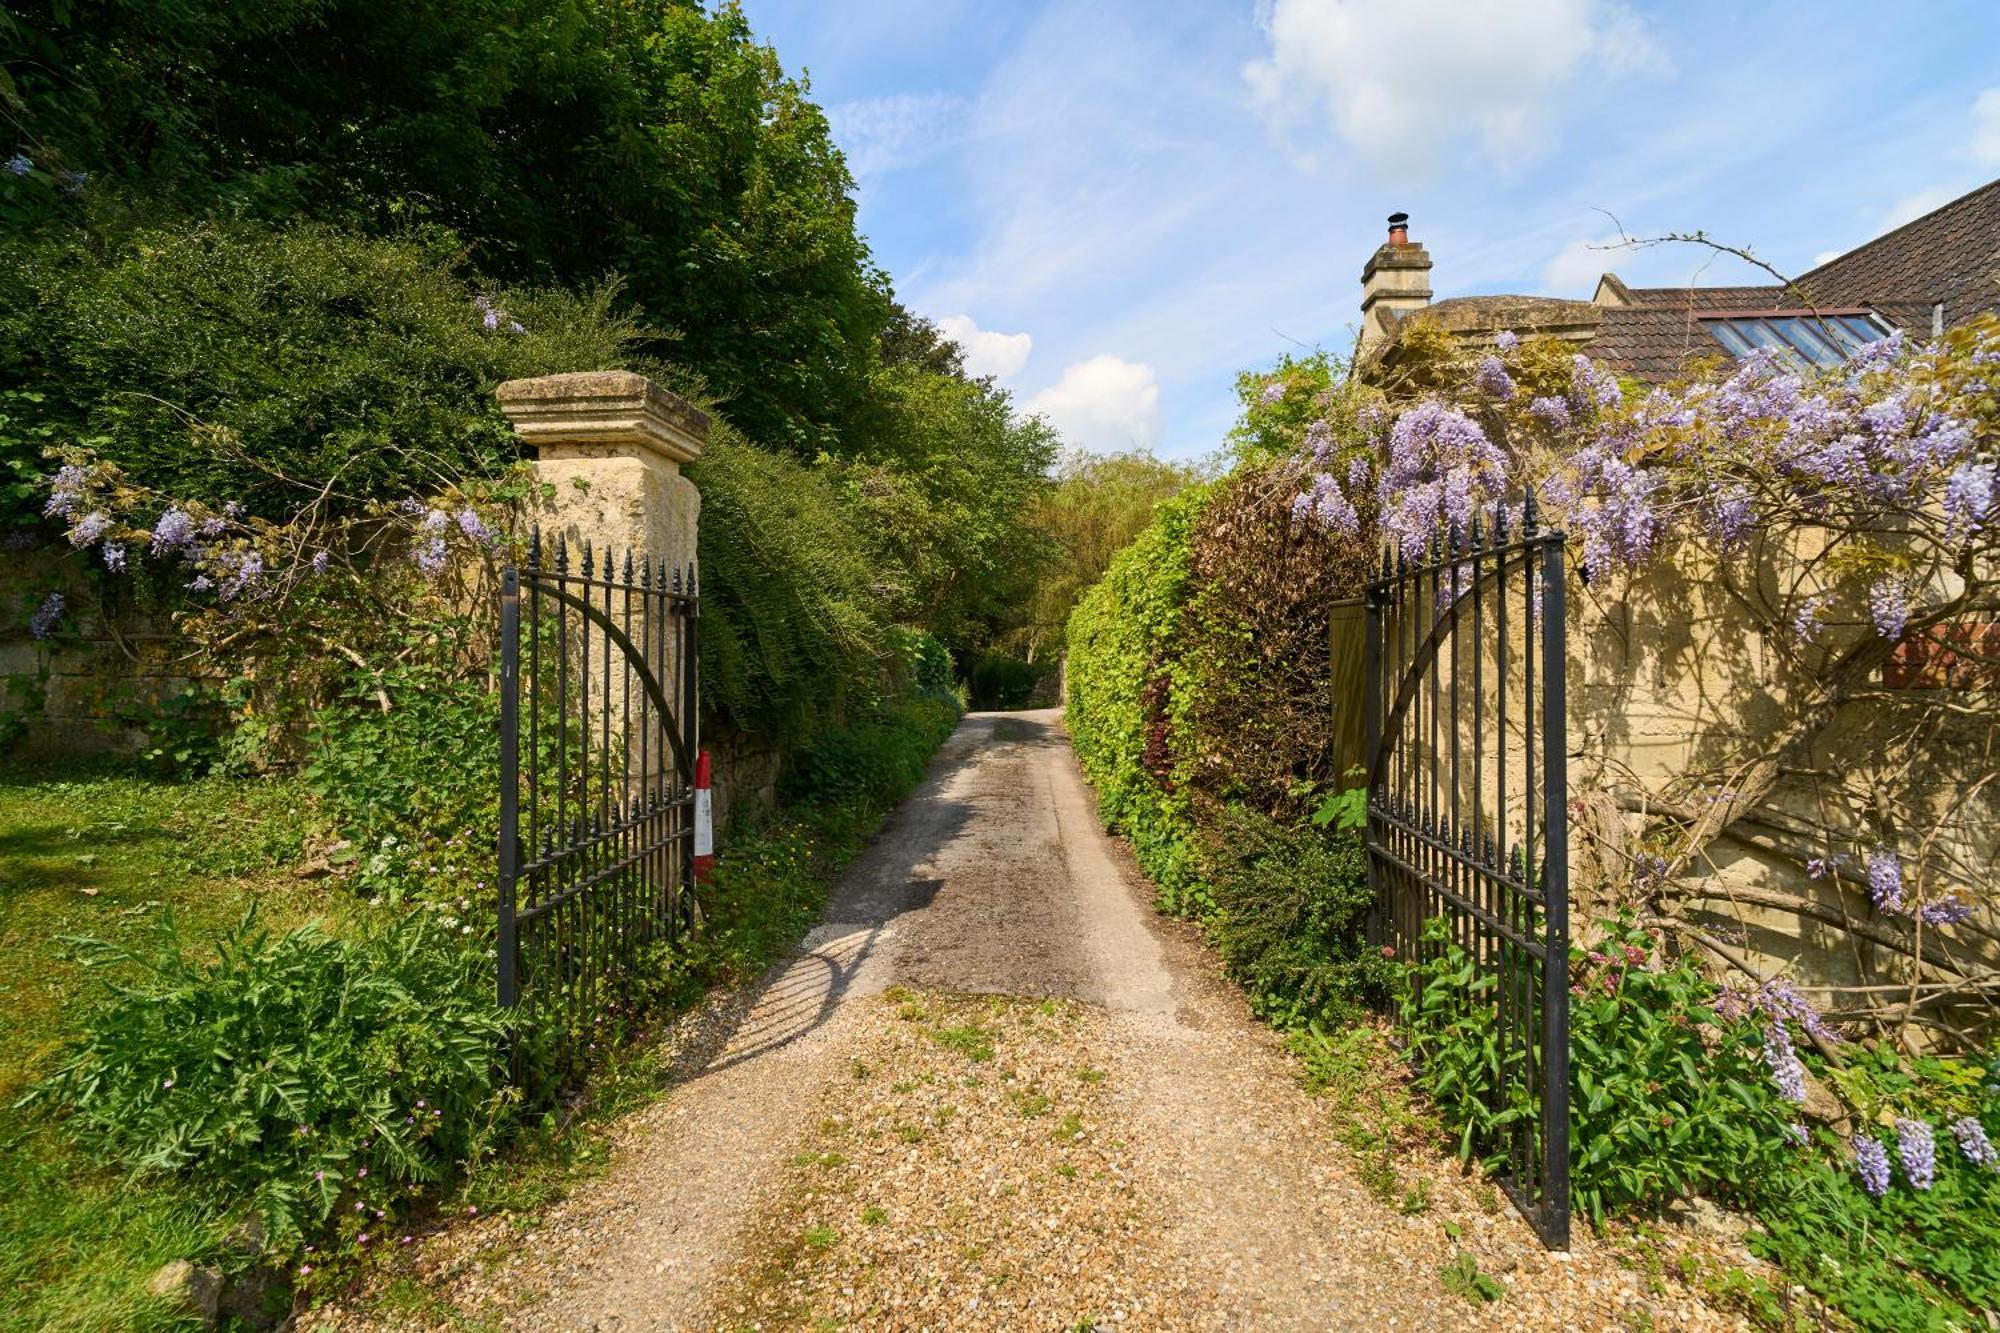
<point>1388,951</point>
<point>304,1269</point>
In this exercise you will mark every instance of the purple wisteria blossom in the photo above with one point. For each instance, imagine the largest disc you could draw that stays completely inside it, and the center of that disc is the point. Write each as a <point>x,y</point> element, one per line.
<point>1274,392</point>
<point>245,569</point>
<point>1493,379</point>
<point>1797,1134</point>
<point>65,491</point>
<point>1591,385</point>
<point>19,165</point>
<point>1917,1151</point>
<point>90,528</point>
<point>1885,880</point>
<point>319,562</point>
<point>1780,1000</point>
<point>1441,469</point>
<point>1729,515</point>
<point>1506,340</point>
<point>1786,1070</point>
<point>1806,618</point>
<point>1319,442</point>
<point>1973,1143</point>
<point>1889,606</point>
<point>475,528</point>
<point>1871,1162</point>
<point>1325,503</point>
<point>1551,412</point>
<point>1875,355</point>
<point>174,531</point>
<point>431,556</point>
<point>42,625</point>
<point>1968,498</point>
<point>1946,911</point>
<point>114,557</point>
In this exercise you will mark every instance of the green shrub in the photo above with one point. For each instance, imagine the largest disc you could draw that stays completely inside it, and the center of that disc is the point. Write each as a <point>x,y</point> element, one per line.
<point>235,361</point>
<point>407,765</point>
<point>318,1078</point>
<point>1122,701</point>
<point>1290,918</point>
<point>791,628</point>
<point>871,763</point>
<point>995,680</point>
<point>1667,1098</point>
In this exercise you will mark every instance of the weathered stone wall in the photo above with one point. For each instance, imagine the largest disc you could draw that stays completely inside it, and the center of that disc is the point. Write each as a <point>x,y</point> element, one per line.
<point>91,689</point>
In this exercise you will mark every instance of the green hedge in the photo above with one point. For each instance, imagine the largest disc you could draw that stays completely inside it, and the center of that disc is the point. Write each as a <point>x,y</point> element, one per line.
<point>1121,696</point>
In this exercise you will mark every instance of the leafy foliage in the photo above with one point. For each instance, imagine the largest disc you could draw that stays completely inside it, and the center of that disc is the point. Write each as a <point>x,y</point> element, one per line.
<point>1121,666</point>
<point>1291,905</point>
<point>1093,509</point>
<point>308,1074</point>
<point>791,629</point>
<point>872,762</point>
<point>276,366</point>
<point>1668,1099</point>
<point>560,139</point>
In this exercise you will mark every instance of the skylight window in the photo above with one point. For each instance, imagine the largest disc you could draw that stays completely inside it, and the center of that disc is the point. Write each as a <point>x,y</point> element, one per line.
<point>1800,336</point>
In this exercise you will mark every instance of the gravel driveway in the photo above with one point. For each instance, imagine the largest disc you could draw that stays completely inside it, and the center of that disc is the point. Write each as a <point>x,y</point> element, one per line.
<point>995,1090</point>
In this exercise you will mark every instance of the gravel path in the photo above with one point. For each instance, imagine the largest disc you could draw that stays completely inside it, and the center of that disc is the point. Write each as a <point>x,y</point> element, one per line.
<point>996,1091</point>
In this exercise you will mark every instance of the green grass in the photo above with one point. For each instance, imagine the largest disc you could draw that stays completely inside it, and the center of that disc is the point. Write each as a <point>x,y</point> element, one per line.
<point>90,851</point>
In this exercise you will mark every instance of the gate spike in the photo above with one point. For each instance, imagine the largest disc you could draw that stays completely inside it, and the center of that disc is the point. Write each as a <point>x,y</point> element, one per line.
<point>562,554</point>
<point>694,579</point>
<point>1475,530</point>
<point>535,546</point>
<point>645,574</point>
<point>1486,853</point>
<point>628,564</point>
<point>1528,515</point>
<point>677,580</point>
<point>1500,524</point>
<point>586,559</point>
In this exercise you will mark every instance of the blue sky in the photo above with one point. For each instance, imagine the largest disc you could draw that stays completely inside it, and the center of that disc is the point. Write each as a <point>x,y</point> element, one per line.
<point>1119,204</point>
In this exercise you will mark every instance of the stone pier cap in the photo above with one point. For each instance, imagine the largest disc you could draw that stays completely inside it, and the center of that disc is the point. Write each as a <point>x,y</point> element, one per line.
<point>605,408</point>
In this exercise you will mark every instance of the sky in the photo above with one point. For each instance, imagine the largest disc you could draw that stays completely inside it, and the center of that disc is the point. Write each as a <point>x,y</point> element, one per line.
<point>1116,206</point>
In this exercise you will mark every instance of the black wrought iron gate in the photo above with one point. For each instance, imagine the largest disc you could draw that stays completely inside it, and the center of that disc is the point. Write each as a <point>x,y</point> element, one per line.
<point>1468,812</point>
<point>597,746</point>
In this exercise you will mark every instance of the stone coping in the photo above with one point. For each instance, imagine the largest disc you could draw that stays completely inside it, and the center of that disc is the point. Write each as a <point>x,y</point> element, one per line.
<point>605,407</point>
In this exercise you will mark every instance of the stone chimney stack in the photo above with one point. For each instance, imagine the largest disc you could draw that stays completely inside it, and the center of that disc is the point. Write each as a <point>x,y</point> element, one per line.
<point>1396,281</point>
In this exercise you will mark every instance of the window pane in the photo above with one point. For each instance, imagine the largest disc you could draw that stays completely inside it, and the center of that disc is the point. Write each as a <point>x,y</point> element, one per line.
<point>1804,335</point>
<point>1725,333</point>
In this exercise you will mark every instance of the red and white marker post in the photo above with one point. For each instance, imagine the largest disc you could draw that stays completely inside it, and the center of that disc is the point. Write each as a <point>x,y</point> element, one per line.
<point>704,821</point>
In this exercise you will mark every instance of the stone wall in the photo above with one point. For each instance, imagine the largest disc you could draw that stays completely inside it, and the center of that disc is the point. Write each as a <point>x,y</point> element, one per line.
<point>1669,675</point>
<point>92,688</point>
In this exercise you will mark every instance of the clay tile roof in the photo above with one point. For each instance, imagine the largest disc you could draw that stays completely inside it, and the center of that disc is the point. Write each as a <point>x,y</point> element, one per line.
<point>1951,254</point>
<point>1709,298</point>
<point>1653,343</point>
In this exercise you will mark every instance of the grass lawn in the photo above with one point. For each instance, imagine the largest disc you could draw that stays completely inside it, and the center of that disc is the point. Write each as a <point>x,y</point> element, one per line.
<point>102,853</point>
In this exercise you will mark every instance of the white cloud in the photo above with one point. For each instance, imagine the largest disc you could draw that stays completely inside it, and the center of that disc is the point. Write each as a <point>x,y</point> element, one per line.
<point>881,134</point>
<point>1913,206</point>
<point>1823,257</point>
<point>1403,80</point>
<point>1986,128</point>
<point>1574,272</point>
<point>1105,403</point>
<point>1000,355</point>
